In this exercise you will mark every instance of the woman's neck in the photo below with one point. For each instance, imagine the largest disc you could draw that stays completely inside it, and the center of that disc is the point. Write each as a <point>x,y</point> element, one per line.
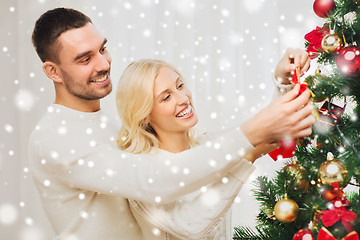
<point>174,142</point>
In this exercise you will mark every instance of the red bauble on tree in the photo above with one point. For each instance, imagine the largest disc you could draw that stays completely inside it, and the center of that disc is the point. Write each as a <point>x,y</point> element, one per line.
<point>323,8</point>
<point>348,61</point>
<point>303,234</point>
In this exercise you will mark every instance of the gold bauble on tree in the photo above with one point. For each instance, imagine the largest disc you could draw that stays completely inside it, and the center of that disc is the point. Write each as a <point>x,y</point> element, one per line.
<point>286,210</point>
<point>316,98</point>
<point>331,42</point>
<point>299,174</point>
<point>332,171</point>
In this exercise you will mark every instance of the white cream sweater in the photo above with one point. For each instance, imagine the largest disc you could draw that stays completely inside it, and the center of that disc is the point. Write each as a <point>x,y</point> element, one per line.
<point>85,182</point>
<point>200,215</point>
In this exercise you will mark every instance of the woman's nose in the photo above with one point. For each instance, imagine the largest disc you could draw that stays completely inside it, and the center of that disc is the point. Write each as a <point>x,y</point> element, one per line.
<point>182,98</point>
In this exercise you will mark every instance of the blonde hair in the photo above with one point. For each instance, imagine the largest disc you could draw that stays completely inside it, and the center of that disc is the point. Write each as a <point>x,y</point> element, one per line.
<point>134,100</point>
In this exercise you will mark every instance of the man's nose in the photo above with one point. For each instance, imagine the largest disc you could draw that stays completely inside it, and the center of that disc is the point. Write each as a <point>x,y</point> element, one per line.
<point>103,63</point>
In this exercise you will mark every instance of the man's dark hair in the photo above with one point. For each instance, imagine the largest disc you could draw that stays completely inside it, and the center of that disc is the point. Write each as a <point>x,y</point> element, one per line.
<point>50,26</point>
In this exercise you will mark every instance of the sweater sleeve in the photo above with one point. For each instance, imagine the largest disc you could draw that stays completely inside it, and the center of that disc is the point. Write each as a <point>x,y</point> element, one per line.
<point>194,216</point>
<point>100,168</point>
<point>281,88</point>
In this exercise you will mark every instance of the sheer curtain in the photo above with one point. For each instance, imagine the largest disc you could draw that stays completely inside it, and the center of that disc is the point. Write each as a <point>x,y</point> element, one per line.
<point>226,49</point>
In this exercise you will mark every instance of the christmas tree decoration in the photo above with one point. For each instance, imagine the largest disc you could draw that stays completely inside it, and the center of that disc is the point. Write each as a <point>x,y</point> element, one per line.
<point>314,39</point>
<point>286,210</point>
<point>348,61</point>
<point>270,213</point>
<point>332,216</point>
<point>300,175</point>
<point>303,234</point>
<point>286,149</point>
<point>329,115</point>
<point>331,171</point>
<point>296,80</point>
<point>324,234</point>
<point>331,43</point>
<point>350,17</point>
<point>323,8</point>
<point>335,192</point>
<point>318,98</point>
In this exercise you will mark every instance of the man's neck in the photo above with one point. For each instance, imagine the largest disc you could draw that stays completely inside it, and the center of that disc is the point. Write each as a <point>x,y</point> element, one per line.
<point>80,104</point>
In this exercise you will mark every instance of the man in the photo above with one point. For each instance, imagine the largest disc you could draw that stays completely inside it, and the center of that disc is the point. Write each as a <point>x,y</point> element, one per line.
<point>84,180</point>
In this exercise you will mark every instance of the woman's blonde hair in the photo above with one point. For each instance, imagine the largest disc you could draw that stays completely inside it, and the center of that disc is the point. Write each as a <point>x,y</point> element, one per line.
<point>134,100</point>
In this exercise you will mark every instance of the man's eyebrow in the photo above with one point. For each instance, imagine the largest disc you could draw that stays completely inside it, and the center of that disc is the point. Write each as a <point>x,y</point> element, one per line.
<point>88,52</point>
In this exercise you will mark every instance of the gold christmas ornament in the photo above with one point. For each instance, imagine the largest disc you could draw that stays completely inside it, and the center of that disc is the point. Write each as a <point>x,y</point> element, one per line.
<point>270,213</point>
<point>316,98</point>
<point>299,173</point>
<point>331,42</point>
<point>332,171</point>
<point>286,210</point>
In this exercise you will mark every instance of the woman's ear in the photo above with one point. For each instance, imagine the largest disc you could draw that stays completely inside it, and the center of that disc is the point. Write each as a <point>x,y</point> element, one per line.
<point>53,72</point>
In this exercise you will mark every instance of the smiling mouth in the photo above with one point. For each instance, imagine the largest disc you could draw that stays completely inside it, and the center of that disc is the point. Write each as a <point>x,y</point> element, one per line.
<point>100,79</point>
<point>185,112</point>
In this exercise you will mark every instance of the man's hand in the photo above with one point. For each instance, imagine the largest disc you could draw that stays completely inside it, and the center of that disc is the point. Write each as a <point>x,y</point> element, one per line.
<point>288,117</point>
<point>286,66</point>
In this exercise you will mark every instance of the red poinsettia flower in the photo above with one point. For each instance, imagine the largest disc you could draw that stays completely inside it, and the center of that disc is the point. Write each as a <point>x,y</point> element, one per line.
<point>314,39</point>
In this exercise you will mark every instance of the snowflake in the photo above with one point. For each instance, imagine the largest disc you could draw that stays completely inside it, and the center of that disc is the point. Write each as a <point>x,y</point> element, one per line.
<point>8,214</point>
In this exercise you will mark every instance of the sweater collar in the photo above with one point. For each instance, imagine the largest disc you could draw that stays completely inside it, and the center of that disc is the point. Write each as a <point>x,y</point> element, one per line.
<point>60,109</point>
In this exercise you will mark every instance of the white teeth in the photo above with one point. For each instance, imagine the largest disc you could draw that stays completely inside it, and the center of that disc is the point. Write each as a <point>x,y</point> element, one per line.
<point>185,112</point>
<point>101,79</point>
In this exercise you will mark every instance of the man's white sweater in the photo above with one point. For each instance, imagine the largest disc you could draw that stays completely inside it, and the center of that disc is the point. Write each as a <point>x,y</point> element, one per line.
<point>85,181</point>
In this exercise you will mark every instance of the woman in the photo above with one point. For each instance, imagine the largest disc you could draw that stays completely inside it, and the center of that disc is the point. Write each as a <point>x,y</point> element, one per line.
<point>158,117</point>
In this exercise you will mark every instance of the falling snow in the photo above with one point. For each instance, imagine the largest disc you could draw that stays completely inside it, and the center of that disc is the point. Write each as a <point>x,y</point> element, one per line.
<point>228,64</point>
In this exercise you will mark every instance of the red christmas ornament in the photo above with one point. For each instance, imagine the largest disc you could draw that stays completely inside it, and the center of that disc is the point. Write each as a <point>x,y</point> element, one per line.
<point>324,234</point>
<point>348,61</point>
<point>296,80</point>
<point>303,234</point>
<point>286,149</point>
<point>336,192</point>
<point>332,216</point>
<point>323,8</point>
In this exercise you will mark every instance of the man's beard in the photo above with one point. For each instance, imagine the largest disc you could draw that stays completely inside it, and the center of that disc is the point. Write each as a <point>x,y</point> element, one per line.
<point>85,92</point>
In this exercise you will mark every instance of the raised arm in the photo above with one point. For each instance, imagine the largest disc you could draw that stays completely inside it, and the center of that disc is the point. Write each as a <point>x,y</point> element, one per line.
<point>104,169</point>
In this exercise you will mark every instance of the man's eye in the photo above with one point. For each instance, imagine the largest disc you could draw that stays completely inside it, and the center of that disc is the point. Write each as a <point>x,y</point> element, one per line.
<point>103,49</point>
<point>85,60</point>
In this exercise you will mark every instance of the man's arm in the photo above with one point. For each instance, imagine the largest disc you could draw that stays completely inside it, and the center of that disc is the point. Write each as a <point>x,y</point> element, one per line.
<point>146,178</point>
<point>194,216</point>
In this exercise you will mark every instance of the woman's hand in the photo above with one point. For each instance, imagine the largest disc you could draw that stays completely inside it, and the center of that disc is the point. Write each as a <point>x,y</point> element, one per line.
<point>261,150</point>
<point>286,66</point>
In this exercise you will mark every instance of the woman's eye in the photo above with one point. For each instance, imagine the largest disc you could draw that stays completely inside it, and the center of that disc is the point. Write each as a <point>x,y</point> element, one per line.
<point>167,97</point>
<point>180,85</point>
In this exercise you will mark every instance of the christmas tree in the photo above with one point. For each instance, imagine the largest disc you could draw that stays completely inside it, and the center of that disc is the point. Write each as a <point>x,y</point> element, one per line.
<point>308,198</point>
